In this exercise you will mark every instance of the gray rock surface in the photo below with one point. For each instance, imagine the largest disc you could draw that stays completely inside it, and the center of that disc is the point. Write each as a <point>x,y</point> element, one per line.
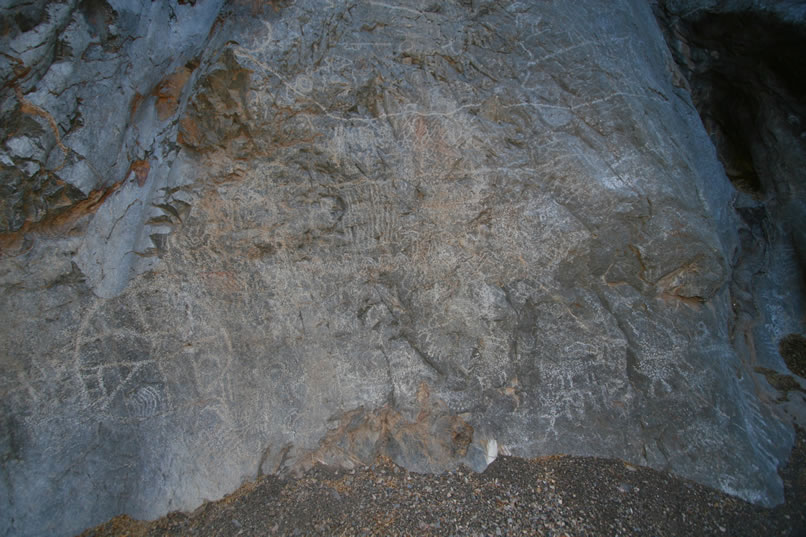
<point>243,239</point>
<point>740,61</point>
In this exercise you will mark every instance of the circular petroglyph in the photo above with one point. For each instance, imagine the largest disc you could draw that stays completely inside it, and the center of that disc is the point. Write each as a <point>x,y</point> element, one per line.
<point>144,401</point>
<point>127,356</point>
<point>303,84</point>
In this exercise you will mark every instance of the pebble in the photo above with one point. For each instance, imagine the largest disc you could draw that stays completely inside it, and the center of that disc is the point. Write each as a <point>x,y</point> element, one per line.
<point>573,496</point>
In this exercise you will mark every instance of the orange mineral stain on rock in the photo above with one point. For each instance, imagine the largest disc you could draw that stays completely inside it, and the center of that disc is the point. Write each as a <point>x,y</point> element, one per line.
<point>168,92</point>
<point>27,107</point>
<point>137,100</point>
<point>189,133</point>
<point>56,222</point>
<point>140,168</point>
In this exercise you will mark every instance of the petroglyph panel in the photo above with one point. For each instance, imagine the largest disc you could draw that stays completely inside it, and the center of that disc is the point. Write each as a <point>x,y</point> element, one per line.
<point>372,228</point>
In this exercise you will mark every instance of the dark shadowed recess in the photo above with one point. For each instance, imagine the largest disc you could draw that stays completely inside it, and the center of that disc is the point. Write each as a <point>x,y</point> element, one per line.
<point>793,350</point>
<point>745,71</point>
<point>736,63</point>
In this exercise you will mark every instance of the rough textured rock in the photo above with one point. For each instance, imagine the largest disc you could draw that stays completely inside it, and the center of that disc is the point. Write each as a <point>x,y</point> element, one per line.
<point>241,239</point>
<point>741,60</point>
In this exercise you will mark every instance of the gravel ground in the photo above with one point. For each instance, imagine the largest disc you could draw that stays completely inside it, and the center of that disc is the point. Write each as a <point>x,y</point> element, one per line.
<point>551,496</point>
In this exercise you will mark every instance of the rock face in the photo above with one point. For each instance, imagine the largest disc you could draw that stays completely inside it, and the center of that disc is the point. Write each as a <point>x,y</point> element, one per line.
<point>242,239</point>
<point>740,60</point>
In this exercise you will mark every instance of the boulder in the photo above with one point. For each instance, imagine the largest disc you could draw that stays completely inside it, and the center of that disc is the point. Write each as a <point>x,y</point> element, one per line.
<point>244,239</point>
